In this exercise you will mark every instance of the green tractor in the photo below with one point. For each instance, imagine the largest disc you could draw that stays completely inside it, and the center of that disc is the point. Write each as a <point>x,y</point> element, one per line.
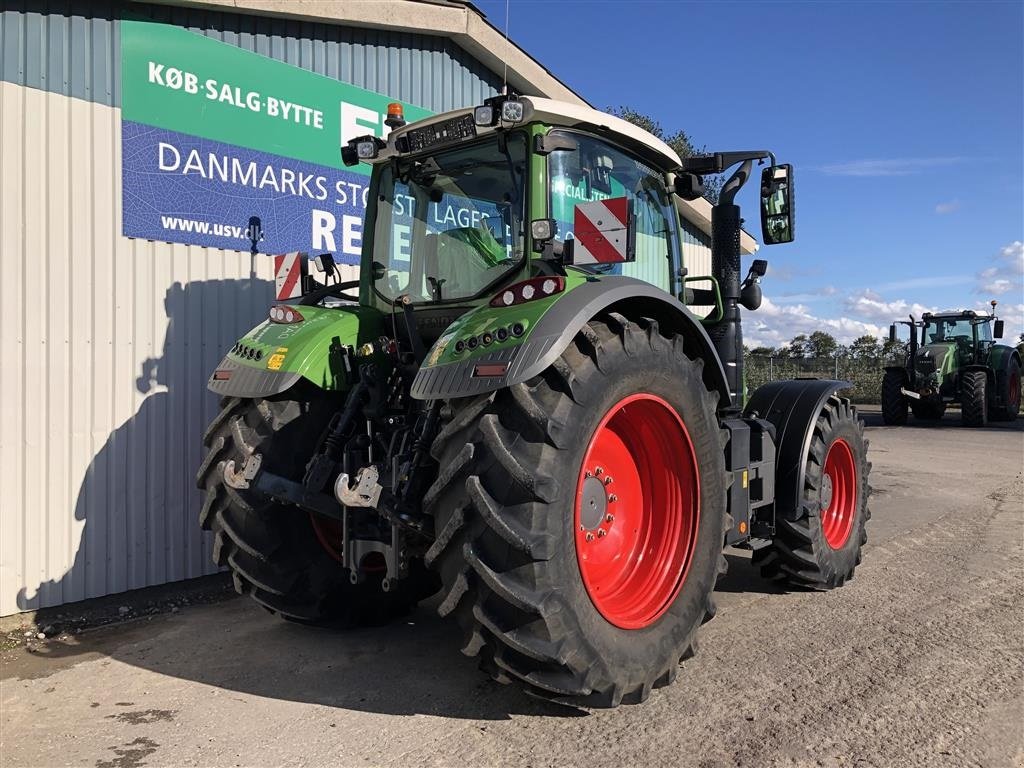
<point>518,409</point>
<point>954,360</point>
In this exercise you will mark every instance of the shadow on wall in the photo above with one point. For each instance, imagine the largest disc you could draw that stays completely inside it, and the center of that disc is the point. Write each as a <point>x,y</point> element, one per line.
<point>137,508</point>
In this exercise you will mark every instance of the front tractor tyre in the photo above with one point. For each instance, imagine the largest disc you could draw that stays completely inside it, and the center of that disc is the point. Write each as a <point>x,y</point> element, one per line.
<point>286,559</point>
<point>894,402</point>
<point>974,398</point>
<point>822,547</point>
<point>580,517</point>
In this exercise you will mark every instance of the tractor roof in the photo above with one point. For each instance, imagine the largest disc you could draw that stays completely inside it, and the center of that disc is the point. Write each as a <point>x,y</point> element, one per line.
<point>564,114</point>
<point>955,314</point>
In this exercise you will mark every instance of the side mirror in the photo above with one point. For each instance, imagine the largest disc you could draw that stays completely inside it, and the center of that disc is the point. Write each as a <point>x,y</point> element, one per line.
<point>777,204</point>
<point>892,332</point>
<point>997,329</point>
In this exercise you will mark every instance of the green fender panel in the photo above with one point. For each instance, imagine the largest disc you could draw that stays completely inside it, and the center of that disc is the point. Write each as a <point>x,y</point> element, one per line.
<point>273,357</point>
<point>548,326</point>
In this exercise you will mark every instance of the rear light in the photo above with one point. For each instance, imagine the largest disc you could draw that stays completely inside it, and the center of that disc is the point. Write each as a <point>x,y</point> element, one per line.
<point>489,370</point>
<point>222,374</point>
<point>285,314</point>
<point>529,290</point>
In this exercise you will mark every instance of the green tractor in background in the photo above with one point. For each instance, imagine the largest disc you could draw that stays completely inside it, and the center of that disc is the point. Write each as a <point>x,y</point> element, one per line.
<point>955,360</point>
<point>518,409</point>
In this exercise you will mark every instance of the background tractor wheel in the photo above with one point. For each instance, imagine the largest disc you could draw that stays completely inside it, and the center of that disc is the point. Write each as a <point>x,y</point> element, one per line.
<point>581,515</point>
<point>974,398</point>
<point>929,410</point>
<point>894,402</point>
<point>1008,383</point>
<point>285,559</point>
<point>822,548</point>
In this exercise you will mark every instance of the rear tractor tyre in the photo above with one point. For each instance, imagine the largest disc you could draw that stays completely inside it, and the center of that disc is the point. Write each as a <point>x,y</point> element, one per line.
<point>894,402</point>
<point>974,398</point>
<point>285,559</point>
<point>1008,382</point>
<point>821,549</point>
<point>580,517</point>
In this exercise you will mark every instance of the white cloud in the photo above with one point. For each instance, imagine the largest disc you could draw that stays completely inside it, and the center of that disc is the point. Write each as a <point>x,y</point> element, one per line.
<point>1012,316</point>
<point>948,207</point>
<point>905,166</point>
<point>1005,275</point>
<point>775,325</point>
<point>870,305</point>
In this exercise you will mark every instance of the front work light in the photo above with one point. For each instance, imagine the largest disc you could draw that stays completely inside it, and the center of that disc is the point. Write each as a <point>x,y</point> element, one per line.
<point>484,115</point>
<point>512,111</point>
<point>507,108</point>
<point>361,149</point>
<point>543,230</point>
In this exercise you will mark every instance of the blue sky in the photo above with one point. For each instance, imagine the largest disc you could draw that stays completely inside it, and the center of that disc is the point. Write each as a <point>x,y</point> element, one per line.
<point>904,123</point>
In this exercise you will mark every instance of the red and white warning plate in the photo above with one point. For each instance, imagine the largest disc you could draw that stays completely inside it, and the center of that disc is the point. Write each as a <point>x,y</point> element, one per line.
<point>288,271</point>
<point>601,231</point>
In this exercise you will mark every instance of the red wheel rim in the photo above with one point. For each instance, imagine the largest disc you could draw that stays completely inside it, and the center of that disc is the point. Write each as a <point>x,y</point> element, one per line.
<point>1014,394</point>
<point>328,533</point>
<point>838,494</point>
<point>637,510</point>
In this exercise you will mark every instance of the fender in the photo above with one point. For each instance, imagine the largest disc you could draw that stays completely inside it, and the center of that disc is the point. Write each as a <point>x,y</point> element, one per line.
<point>1002,355</point>
<point>551,325</point>
<point>273,357</point>
<point>792,407</point>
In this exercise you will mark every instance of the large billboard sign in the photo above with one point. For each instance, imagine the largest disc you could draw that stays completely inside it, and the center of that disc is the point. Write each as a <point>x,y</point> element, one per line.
<point>216,138</point>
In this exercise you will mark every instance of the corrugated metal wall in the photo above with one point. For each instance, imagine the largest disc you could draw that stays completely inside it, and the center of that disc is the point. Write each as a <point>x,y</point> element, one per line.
<point>106,342</point>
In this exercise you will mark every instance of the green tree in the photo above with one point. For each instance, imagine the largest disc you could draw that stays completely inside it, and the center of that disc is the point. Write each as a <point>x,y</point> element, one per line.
<point>680,141</point>
<point>798,347</point>
<point>821,344</point>
<point>893,351</point>
<point>865,348</point>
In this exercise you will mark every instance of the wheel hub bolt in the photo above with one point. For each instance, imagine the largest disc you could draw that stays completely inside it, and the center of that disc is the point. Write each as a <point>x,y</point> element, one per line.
<point>598,470</point>
<point>609,518</point>
<point>613,497</point>
<point>601,533</point>
<point>590,536</point>
<point>588,473</point>
<point>608,480</point>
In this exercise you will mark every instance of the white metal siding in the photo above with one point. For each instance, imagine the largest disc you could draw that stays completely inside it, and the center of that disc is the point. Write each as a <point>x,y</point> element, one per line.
<point>97,455</point>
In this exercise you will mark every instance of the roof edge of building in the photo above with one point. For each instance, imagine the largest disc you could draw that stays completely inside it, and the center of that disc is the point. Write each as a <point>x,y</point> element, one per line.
<point>463,23</point>
<point>698,213</point>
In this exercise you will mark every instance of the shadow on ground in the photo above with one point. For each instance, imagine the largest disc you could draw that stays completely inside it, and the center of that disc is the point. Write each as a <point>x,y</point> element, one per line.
<point>411,666</point>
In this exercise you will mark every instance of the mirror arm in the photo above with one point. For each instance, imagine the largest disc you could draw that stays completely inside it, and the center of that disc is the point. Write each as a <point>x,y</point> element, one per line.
<point>735,182</point>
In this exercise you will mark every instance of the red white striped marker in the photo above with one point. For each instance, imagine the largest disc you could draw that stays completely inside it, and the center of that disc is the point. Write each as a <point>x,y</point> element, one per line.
<point>601,230</point>
<point>289,269</point>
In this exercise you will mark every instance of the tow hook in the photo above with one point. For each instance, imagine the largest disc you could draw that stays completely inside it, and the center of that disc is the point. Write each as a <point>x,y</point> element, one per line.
<point>240,480</point>
<point>365,492</point>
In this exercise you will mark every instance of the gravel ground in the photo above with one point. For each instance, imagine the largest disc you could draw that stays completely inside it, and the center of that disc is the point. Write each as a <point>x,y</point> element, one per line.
<point>917,662</point>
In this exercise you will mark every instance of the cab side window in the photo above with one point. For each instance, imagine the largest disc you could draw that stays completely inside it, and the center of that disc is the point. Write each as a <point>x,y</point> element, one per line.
<point>596,170</point>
